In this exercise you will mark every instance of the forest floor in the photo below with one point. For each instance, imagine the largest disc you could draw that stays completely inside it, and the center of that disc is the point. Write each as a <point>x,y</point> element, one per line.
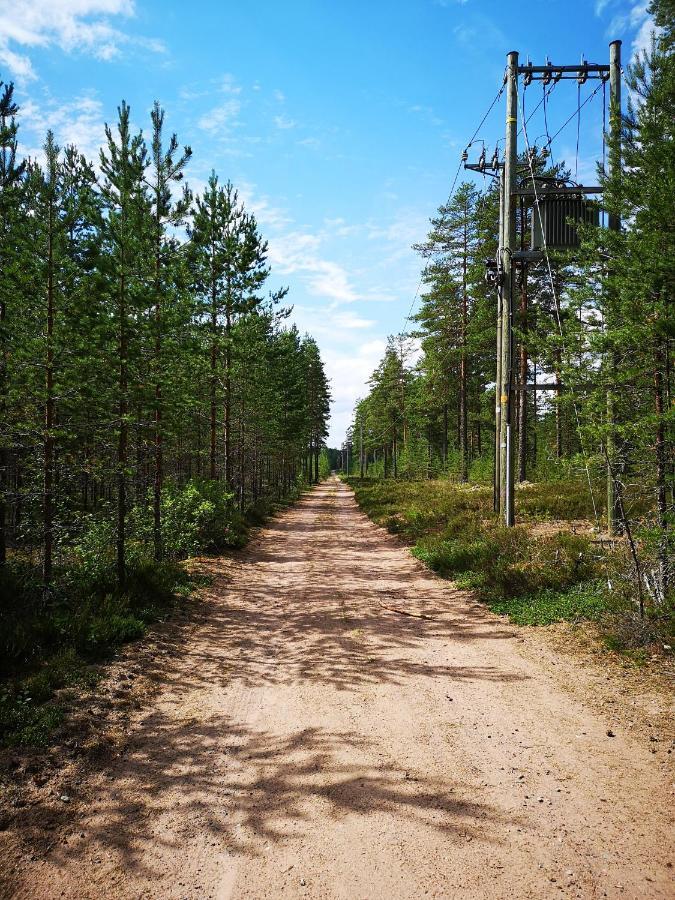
<point>334,721</point>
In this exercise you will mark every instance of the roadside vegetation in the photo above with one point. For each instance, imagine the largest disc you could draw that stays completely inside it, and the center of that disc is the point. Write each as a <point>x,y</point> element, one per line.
<point>154,401</point>
<point>553,567</point>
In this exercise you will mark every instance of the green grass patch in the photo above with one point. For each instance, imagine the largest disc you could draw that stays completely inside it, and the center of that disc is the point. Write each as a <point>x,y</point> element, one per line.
<point>585,601</point>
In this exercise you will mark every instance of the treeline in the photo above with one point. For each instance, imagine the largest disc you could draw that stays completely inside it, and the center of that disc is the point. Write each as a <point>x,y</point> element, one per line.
<point>150,393</point>
<point>597,330</point>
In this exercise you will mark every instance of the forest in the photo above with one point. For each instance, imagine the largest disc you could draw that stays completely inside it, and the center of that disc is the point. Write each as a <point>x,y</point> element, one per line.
<point>237,661</point>
<point>154,401</point>
<point>592,408</point>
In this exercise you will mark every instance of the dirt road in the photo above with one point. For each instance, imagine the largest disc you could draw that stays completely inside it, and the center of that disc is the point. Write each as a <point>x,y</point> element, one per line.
<point>307,741</point>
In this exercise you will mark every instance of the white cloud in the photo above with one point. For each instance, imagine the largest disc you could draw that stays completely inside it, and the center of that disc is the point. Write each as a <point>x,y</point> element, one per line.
<point>70,25</point>
<point>310,142</point>
<point>284,123</point>
<point>228,85</point>
<point>643,38</point>
<point>297,252</point>
<point>78,122</point>
<point>222,117</point>
<point>351,320</point>
<point>279,96</point>
<point>349,371</point>
<point>267,214</point>
<point>634,20</point>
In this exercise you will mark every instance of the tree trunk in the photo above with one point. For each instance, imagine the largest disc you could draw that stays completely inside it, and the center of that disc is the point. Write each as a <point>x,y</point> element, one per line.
<point>558,410</point>
<point>228,394</point>
<point>214,375</point>
<point>463,413</point>
<point>4,454</point>
<point>123,438</point>
<point>159,450</point>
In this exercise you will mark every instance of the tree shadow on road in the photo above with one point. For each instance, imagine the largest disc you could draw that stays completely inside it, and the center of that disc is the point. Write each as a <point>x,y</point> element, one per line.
<point>239,786</point>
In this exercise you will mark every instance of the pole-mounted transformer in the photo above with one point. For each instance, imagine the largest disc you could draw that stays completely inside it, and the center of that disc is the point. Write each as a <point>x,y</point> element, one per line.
<point>559,215</point>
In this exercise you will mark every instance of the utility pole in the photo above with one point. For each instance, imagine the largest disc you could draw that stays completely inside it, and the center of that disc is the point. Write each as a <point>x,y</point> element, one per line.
<point>614,225</point>
<point>501,273</point>
<point>508,247</point>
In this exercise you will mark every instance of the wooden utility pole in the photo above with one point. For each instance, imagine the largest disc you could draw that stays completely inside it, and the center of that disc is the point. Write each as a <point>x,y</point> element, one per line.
<point>614,225</point>
<point>508,248</point>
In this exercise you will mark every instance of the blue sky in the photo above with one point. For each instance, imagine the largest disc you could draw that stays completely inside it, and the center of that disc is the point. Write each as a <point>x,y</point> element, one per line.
<point>341,123</point>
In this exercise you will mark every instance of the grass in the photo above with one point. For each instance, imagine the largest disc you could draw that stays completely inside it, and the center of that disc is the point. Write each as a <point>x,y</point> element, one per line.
<point>533,579</point>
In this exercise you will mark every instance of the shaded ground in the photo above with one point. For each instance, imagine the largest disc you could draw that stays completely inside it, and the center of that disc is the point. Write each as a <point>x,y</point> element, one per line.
<point>301,740</point>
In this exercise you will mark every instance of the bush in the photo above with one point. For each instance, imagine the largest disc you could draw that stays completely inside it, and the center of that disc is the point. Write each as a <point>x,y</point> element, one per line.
<point>196,517</point>
<point>534,579</point>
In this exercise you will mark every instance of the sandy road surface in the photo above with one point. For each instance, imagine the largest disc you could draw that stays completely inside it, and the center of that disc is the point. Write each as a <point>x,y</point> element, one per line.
<point>307,742</point>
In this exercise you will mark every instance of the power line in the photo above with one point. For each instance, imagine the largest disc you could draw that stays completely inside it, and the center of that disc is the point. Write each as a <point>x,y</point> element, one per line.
<point>452,190</point>
<point>575,113</point>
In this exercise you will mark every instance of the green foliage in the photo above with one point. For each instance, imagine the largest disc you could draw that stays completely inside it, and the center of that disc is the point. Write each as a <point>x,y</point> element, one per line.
<point>198,516</point>
<point>584,601</point>
<point>454,532</point>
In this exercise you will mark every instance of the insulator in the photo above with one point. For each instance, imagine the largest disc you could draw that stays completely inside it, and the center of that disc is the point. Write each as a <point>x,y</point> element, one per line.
<point>583,76</point>
<point>527,78</point>
<point>558,75</point>
<point>495,160</point>
<point>481,160</point>
<point>546,77</point>
<point>465,156</point>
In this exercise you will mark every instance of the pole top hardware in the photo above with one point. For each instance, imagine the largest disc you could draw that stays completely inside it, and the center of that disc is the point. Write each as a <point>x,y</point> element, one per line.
<point>548,73</point>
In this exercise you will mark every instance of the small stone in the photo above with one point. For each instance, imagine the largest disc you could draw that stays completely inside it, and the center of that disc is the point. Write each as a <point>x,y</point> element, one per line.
<point>610,733</point>
<point>64,798</point>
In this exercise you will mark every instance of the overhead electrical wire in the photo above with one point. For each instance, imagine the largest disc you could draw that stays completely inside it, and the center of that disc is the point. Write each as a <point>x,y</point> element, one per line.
<point>575,113</point>
<point>452,190</point>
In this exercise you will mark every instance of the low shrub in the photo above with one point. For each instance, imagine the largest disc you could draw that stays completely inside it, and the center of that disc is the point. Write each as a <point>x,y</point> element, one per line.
<point>585,601</point>
<point>536,580</point>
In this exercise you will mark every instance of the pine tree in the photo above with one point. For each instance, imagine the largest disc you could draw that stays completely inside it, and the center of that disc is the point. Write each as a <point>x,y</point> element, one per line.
<point>11,175</point>
<point>167,170</point>
<point>127,233</point>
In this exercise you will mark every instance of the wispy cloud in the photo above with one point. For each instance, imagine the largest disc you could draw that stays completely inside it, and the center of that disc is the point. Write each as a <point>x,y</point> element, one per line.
<point>222,117</point>
<point>70,25</point>
<point>284,123</point>
<point>632,19</point>
<point>298,252</point>
<point>79,122</point>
